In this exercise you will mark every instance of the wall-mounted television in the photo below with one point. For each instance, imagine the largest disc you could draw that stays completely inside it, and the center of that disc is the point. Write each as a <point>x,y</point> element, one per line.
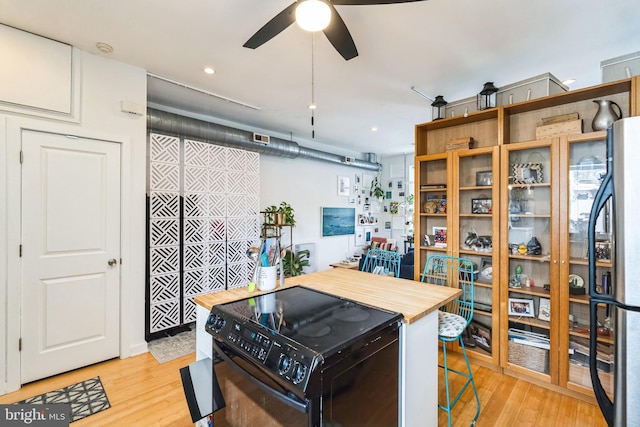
<point>338,221</point>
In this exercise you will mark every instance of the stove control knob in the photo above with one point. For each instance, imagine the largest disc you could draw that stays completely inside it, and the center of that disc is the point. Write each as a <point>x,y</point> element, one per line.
<point>216,322</point>
<point>284,364</point>
<point>299,371</point>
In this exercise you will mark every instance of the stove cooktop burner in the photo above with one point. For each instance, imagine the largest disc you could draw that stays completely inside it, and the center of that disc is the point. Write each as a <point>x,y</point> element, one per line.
<point>314,330</point>
<point>351,314</point>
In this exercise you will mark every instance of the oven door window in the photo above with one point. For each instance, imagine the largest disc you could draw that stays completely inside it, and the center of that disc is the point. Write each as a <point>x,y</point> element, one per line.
<point>253,399</point>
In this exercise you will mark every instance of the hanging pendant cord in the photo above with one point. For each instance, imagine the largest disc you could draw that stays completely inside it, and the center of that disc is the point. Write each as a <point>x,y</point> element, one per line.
<point>313,100</point>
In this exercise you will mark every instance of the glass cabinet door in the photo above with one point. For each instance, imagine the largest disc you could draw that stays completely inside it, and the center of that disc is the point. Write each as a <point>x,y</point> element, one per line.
<point>476,222</point>
<point>586,167</point>
<point>432,205</point>
<point>530,251</point>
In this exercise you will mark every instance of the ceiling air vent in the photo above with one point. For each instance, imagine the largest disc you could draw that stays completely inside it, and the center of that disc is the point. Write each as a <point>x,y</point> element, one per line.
<point>348,159</point>
<point>262,139</point>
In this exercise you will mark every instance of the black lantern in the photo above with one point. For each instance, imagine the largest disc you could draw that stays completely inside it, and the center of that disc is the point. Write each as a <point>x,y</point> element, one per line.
<point>438,108</point>
<point>487,96</point>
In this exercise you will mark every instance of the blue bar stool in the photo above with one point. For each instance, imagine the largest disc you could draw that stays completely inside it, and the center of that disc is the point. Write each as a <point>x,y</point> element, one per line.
<point>453,318</point>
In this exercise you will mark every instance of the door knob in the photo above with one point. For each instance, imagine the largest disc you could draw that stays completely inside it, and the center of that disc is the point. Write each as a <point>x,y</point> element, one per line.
<point>112,262</point>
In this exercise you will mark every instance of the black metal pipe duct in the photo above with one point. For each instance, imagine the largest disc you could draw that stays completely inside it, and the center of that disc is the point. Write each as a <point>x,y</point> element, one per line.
<point>186,127</point>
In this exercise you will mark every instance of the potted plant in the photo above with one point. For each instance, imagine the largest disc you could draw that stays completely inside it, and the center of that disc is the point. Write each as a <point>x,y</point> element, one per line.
<point>287,213</point>
<point>293,263</point>
<point>376,190</point>
<point>271,214</point>
<point>280,215</point>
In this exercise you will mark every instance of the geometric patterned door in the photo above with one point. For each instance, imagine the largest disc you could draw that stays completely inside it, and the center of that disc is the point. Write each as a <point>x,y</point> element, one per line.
<point>204,203</point>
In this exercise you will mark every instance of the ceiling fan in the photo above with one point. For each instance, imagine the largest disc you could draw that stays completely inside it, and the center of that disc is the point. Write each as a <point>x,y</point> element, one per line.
<point>336,31</point>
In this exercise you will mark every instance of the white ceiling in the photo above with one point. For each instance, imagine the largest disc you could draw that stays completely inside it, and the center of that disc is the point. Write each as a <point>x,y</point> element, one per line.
<point>441,47</point>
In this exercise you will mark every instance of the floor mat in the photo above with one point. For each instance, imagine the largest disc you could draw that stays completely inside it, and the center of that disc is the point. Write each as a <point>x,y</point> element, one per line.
<point>172,347</point>
<point>85,398</point>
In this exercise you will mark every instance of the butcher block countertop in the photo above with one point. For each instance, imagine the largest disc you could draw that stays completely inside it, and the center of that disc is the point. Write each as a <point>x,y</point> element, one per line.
<point>412,299</point>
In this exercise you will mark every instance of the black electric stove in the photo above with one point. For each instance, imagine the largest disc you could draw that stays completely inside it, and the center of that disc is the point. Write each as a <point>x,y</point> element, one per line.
<point>294,334</point>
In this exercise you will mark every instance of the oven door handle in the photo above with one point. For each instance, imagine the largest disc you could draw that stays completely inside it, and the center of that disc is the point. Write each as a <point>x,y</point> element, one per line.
<point>302,407</point>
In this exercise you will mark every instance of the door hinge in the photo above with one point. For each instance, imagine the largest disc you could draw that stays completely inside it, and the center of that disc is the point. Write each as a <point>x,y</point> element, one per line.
<point>20,344</point>
<point>21,157</point>
<point>20,251</point>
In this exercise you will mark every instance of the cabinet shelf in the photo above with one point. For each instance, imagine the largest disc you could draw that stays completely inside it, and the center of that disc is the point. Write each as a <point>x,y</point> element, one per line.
<point>540,258</point>
<point>530,321</point>
<point>584,261</point>
<point>538,291</point>
<point>584,333</point>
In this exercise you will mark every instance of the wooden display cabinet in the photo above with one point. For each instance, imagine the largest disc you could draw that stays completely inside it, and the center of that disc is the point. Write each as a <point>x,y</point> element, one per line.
<point>551,208</point>
<point>458,195</point>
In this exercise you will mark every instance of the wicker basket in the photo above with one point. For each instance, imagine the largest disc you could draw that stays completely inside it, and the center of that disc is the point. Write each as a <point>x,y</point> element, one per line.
<point>534,358</point>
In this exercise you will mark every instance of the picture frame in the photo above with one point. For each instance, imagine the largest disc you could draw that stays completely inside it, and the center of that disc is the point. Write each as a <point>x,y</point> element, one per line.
<point>343,186</point>
<point>484,178</point>
<point>527,173</point>
<point>486,269</point>
<point>439,237</point>
<point>521,307</point>
<point>481,334</point>
<point>338,221</point>
<point>544,309</point>
<point>481,206</point>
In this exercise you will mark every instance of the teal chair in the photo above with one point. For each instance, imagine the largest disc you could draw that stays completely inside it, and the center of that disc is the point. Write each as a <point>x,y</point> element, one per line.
<point>388,261</point>
<point>454,317</point>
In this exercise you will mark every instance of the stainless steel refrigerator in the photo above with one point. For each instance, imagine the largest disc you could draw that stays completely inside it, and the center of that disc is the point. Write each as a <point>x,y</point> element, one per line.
<point>619,292</point>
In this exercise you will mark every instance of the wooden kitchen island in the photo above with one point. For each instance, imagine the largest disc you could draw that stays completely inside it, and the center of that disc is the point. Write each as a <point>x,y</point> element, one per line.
<point>417,302</point>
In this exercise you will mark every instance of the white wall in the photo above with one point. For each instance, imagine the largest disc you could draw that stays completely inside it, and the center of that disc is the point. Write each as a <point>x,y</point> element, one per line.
<point>103,84</point>
<point>307,185</point>
<point>397,168</point>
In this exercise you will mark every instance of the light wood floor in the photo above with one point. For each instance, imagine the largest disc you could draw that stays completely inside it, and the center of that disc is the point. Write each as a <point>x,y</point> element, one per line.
<point>143,392</point>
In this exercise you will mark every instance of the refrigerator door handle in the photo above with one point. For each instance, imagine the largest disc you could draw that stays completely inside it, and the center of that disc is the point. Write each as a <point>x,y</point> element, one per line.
<point>602,196</point>
<point>606,405</point>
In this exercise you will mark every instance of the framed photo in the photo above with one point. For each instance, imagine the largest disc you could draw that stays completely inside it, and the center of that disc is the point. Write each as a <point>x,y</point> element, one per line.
<point>481,206</point>
<point>544,310</point>
<point>481,334</point>
<point>521,307</point>
<point>440,237</point>
<point>486,269</point>
<point>343,186</point>
<point>484,178</point>
<point>527,173</point>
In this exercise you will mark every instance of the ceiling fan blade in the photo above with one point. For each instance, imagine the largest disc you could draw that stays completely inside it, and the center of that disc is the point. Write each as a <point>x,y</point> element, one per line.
<point>339,36</point>
<point>272,28</point>
<point>369,2</point>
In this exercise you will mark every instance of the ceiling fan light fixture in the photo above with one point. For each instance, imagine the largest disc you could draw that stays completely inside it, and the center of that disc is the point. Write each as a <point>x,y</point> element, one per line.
<point>313,15</point>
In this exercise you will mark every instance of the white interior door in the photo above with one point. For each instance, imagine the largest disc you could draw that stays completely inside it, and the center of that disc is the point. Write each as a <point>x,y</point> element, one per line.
<point>70,253</point>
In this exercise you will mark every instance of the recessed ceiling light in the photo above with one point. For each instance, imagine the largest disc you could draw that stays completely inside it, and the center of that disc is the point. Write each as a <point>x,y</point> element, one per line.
<point>312,106</point>
<point>374,129</point>
<point>209,70</point>
<point>567,82</point>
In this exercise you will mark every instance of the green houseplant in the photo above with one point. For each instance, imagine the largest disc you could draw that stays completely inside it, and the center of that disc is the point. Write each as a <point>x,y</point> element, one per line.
<point>293,263</point>
<point>376,190</point>
<point>280,215</point>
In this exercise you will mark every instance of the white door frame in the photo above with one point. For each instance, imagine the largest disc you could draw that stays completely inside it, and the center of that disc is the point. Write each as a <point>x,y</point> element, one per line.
<point>11,133</point>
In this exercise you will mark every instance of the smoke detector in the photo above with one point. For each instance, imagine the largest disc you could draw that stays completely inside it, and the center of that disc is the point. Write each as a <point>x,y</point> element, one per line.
<point>104,47</point>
